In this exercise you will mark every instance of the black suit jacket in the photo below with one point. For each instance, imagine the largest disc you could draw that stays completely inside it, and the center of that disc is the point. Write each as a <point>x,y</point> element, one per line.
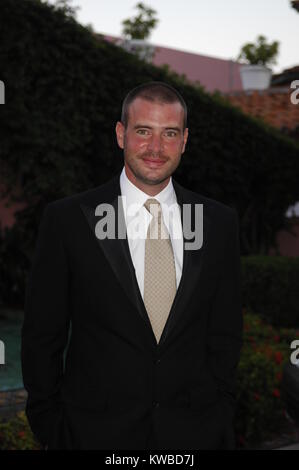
<point>119,389</point>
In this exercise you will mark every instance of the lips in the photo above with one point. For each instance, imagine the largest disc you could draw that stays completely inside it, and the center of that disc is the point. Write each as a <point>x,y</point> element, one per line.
<point>153,162</point>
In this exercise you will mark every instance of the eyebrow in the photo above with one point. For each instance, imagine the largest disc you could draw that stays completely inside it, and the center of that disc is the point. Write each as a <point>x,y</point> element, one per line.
<point>174,128</point>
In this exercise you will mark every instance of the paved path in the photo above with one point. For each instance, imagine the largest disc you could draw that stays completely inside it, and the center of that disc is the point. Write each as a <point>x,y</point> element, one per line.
<point>291,447</point>
<point>12,401</point>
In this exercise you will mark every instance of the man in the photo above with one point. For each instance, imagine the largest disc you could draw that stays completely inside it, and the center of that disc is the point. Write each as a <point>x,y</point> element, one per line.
<point>156,323</point>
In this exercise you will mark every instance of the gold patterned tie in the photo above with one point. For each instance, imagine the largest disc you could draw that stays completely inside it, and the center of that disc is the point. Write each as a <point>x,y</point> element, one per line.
<point>159,270</point>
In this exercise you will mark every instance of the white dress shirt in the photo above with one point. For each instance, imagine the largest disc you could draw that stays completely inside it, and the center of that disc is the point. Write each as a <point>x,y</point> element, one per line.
<point>138,218</point>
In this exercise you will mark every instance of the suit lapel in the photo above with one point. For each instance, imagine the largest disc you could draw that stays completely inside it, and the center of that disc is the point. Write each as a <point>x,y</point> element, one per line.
<point>118,255</point>
<point>191,273</point>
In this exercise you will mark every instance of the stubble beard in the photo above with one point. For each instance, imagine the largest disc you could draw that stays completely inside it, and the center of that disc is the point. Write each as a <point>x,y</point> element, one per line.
<point>141,176</point>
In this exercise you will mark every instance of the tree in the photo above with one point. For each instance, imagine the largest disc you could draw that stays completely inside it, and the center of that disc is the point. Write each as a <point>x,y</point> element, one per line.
<point>260,53</point>
<point>141,26</point>
<point>63,6</point>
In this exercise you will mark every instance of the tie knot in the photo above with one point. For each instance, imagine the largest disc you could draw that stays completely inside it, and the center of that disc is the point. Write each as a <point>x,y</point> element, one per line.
<point>153,206</point>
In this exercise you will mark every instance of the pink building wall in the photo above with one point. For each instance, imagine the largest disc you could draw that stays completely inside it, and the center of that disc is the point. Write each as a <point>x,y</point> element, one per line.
<point>212,73</point>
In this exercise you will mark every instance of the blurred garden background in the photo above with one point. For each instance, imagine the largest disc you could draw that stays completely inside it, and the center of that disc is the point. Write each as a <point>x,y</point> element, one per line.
<point>64,85</point>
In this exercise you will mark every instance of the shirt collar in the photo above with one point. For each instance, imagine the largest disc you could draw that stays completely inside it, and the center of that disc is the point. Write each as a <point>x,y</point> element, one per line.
<point>136,198</point>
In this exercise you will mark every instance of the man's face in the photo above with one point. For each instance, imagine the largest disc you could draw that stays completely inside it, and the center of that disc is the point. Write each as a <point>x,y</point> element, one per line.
<point>153,141</point>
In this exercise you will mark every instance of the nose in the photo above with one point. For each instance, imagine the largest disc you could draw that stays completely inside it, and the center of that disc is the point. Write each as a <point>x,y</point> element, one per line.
<point>155,144</point>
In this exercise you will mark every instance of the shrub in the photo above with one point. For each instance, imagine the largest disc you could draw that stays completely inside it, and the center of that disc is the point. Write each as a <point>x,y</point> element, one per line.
<point>261,53</point>
<point>15,434</point>
<point>261,404</point>
<point>270,286</point>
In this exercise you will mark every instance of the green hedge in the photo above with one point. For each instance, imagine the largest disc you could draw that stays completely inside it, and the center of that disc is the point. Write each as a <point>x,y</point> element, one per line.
<point>270,286</point>
<point>64,89</point>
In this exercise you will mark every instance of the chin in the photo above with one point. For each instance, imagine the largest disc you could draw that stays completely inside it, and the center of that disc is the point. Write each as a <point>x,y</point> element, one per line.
<point>155,179</point>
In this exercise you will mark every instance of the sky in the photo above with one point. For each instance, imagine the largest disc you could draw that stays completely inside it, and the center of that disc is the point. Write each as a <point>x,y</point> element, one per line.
<point>217,28</point>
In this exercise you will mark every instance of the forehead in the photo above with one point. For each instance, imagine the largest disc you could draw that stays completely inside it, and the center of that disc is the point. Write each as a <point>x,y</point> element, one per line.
<point>155,113</point>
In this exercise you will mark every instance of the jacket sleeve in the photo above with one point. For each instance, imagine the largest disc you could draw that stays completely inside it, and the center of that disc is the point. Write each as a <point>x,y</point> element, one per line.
<point>45,327</point>
<point>225,330</point>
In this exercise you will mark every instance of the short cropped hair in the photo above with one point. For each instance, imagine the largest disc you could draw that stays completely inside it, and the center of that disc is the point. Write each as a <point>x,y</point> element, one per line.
<point>153,91</point>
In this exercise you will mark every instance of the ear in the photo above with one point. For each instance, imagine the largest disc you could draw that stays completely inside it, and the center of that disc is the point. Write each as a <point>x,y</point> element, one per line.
<point>120,131</point>
<point>186,133</point>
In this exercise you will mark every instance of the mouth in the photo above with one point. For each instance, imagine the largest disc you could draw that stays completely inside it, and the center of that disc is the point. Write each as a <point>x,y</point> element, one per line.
<point>154,162</point>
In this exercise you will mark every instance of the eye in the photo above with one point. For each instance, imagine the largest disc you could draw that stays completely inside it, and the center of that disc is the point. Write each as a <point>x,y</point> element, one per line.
<point>171,133</point>
<point>142,131</point>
